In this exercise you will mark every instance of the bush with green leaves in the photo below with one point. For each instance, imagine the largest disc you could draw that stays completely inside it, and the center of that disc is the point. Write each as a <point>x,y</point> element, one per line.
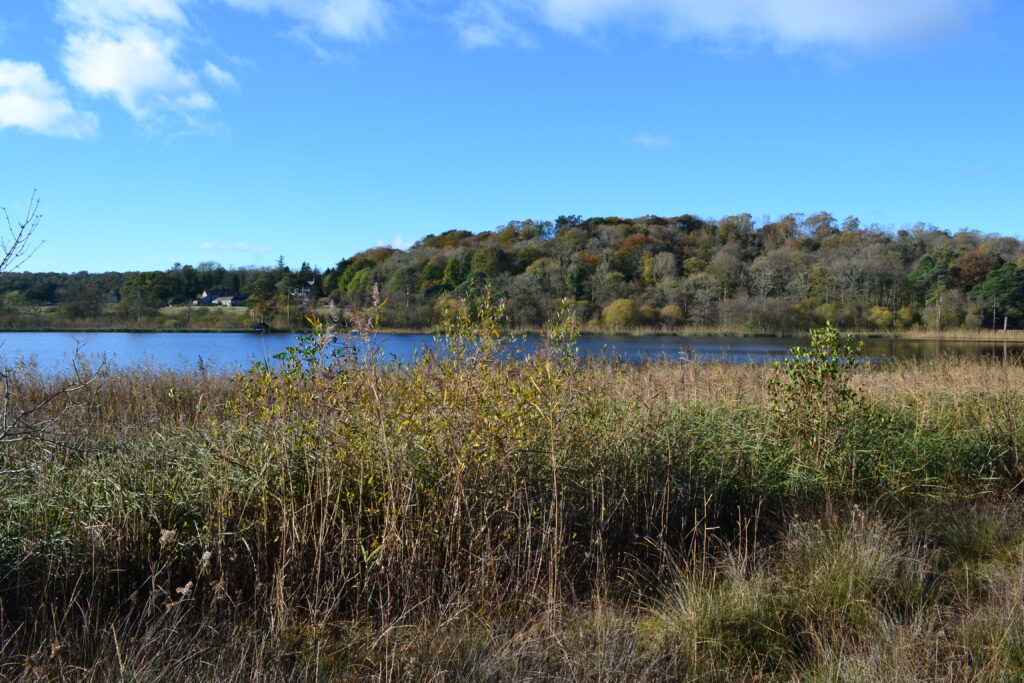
<point>814,404</point>
<point>621,313</point>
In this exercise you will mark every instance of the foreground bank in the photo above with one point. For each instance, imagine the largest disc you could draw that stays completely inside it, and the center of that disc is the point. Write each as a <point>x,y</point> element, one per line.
<point>466,518</point>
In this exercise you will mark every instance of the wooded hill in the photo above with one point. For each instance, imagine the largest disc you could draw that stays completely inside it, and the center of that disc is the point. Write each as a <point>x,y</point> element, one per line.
<point>736,272</point>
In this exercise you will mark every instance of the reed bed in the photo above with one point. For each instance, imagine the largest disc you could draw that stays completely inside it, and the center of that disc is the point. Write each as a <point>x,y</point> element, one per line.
<point>326,517</point>
<point>706,381</point>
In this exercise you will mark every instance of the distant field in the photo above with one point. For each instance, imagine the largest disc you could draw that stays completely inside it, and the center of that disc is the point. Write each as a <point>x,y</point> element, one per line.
<point>184,311</point>
<point>113,318</point>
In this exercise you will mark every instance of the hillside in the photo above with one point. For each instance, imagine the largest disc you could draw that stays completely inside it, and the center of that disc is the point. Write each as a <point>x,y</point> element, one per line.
<point>735,272</point>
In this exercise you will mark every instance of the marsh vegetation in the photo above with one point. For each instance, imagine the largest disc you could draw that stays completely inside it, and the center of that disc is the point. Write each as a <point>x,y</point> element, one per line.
<point>463,517</point>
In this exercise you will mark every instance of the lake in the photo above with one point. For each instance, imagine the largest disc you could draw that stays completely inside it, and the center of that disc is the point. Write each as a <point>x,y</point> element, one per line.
<point>230,351</point>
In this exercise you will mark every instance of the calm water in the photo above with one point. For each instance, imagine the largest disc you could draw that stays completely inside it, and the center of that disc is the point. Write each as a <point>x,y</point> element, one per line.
<point>230,351</point>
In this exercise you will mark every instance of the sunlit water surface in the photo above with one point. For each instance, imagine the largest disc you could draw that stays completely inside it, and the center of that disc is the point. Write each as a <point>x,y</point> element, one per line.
<point>227,352</point>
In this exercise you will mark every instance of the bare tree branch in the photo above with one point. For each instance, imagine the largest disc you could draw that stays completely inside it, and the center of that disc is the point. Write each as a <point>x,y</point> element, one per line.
<point>16,244</point>
<point>25,414</point>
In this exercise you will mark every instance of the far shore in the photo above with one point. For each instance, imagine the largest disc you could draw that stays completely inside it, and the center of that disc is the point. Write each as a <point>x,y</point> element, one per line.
<point>1013,336</point>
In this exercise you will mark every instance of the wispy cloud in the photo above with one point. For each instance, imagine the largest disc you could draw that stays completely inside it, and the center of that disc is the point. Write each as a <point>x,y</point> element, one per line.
<point>233,246</point>
<point>485,23</point>
<point>786,23</point>
<point>653,141</point>
<point>398,242</point>
<point>340,19</point>
<point>110,14</point>
<point>219,76</point>
<point>302,36</point>
<point>8,27</point>
<point>30,100</point>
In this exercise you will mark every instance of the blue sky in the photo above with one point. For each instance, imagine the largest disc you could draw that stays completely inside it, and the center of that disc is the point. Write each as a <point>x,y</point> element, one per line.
<point>163,131</point>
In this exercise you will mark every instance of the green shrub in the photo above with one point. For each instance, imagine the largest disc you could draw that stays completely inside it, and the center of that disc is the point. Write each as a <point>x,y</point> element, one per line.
<point>814,404</point>
<point>621,314</point>
<point>880,318</point>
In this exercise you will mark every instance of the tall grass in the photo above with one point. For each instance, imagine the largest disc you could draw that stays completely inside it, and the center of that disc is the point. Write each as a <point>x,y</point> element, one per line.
<point>466,517</point>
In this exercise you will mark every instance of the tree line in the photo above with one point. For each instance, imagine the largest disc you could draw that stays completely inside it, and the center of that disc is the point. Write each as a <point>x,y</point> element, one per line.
<point>141,294</point>
<point>736,272</point>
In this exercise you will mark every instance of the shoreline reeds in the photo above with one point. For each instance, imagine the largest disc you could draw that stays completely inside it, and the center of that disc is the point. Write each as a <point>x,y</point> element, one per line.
<point>463,518</point>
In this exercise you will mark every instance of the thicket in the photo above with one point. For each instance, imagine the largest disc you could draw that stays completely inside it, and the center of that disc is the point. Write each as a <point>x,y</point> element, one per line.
<point>468,517</point>
<point>782,275</point>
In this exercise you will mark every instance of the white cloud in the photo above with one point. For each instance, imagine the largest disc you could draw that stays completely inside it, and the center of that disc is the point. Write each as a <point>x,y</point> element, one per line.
<point>136,67</point>
<point>128,49</point>
<point>344,19</point>
<point>30,100</point>
<point>219,76</point>
<point>653,141</point>
<point>786,23</point>
<point>131,50</point>
<point>232,246</point>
